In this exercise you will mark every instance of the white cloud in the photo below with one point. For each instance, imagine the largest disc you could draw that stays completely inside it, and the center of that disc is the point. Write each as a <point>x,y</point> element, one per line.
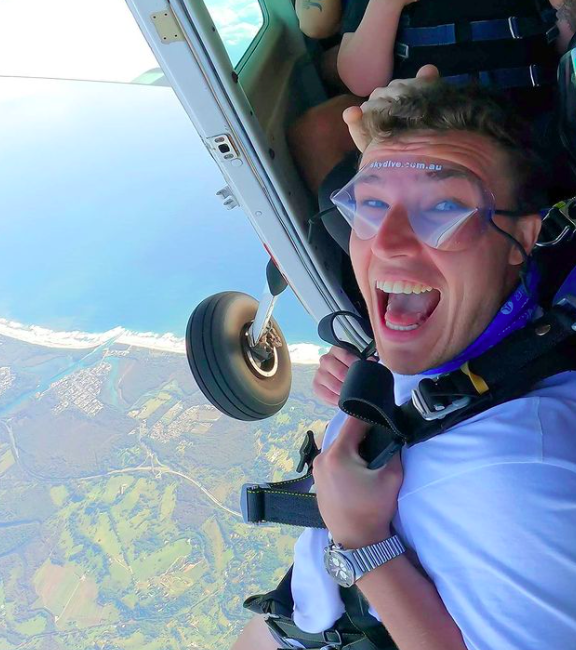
<point>236,22</point>
<point>239,34</point>
<point>306,353</point>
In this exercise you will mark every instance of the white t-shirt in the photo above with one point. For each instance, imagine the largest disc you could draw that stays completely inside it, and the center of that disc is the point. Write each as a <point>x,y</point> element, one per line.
<point>490,509</point>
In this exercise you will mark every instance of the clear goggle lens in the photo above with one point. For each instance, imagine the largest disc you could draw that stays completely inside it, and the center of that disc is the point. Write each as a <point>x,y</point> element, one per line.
<point>447,206</point>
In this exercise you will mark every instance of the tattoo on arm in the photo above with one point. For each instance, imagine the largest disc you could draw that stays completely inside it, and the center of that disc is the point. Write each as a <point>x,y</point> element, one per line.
<point>308,4</point>
<point>567,13</point>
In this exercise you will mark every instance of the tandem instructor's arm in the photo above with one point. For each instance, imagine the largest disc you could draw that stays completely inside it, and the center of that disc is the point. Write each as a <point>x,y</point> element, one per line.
<point>357,505</point>
<point>565,21</point>
<point>319,18</point>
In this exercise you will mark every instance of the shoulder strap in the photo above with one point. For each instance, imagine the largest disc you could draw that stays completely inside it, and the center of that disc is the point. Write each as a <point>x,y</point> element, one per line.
<point>506,371</point>
<point>510,28</point>
<point>356,607</point>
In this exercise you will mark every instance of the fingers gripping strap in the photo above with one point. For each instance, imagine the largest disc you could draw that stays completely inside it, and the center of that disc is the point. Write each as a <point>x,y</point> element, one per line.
<point>291,502</point>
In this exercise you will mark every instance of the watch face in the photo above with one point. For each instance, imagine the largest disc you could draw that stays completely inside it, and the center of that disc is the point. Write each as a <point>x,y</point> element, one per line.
<point>339,567</point>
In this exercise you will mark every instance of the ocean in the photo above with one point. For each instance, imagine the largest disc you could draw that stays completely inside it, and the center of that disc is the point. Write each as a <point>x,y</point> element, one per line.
<point>110,216</point>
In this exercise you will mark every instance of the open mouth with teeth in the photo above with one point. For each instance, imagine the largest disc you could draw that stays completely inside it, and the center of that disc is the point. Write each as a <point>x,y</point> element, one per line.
<point>404,306</point>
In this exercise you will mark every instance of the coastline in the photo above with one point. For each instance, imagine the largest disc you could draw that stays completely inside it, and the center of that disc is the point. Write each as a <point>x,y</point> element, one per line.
<point>300,353</point>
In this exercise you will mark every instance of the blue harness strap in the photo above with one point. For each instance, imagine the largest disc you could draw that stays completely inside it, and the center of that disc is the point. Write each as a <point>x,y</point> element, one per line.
<point>482,30</point>
<point>532,76</point>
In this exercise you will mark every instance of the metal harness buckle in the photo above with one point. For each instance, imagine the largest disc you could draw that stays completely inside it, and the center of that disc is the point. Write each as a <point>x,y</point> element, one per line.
<point>433,403</point>
<point>561,215</point>
<point>332,645</point>
<point>402,50</point>
<point>513,25</point>
<point>568,302</point>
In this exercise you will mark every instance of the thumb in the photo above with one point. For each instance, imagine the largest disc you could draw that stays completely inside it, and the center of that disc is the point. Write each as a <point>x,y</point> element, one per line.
<point>353,118</point>
<point>428,72</point>
<point>351,434</point>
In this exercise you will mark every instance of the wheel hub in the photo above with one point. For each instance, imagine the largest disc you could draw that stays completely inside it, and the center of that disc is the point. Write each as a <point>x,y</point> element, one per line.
<point>263,358</point>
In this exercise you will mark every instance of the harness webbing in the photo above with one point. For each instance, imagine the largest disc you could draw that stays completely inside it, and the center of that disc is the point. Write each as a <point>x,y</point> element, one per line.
<point>509,369</point>
<point>509,41</point>
<point>533,76</point>
<point>356,629</point>
<point>513,27</point>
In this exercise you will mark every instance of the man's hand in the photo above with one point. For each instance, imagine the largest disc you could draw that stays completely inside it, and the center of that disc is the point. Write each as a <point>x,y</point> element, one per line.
<point>330,376</point>
<point>356,503</point>
<point>380,99</point>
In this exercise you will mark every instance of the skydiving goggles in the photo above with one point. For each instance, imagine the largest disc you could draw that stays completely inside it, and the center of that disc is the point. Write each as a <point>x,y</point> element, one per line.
<point>447,205</point>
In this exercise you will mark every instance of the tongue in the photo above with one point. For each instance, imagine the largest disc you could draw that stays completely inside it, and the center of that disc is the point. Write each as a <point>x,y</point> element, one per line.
<point>412,308</point>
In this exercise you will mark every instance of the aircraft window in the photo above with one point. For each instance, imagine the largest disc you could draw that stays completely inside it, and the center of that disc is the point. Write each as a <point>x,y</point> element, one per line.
<point>238,22</point>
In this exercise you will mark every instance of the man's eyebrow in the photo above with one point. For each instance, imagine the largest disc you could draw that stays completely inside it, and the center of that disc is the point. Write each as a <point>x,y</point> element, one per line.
<point>447,173</point>
<point>428,176</point>
<point>375,179</point>
<point>372,179</point>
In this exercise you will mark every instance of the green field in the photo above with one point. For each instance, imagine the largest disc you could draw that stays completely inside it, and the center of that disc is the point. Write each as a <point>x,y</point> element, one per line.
<point>6,459</point>
<point>107,541</point>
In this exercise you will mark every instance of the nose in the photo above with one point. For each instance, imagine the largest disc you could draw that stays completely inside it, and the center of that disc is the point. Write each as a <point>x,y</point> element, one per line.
<point>395,237</point>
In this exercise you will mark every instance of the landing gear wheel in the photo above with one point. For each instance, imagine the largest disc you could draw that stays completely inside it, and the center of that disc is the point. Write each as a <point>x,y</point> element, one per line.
<point>238,380</point>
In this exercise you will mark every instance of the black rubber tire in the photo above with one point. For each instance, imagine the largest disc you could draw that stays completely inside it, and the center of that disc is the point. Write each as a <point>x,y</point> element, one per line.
<point>215,353</point>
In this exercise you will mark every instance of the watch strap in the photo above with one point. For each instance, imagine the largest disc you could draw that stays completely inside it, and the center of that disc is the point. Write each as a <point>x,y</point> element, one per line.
<point>370,557</point>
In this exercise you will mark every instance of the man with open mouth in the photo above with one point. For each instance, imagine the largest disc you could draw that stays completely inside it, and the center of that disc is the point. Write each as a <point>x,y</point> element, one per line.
<point>444,214</point>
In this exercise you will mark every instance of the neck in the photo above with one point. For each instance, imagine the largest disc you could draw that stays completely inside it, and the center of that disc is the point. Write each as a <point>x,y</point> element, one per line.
<point>516,312</point>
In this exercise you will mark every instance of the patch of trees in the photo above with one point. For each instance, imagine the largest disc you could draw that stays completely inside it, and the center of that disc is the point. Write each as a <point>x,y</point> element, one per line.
<point>14,538</point>
<point>192,508</point>
<point>27,503</point>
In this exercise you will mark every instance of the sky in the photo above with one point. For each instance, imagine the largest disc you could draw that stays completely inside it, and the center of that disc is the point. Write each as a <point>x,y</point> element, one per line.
<point>65,38</point>
<point>113,221</point>
<point>238,22</point>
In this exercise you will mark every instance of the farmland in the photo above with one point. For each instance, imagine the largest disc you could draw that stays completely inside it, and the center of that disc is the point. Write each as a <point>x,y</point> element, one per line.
<point>119,523</point>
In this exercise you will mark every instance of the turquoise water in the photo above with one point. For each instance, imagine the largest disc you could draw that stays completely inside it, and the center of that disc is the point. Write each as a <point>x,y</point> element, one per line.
<point>109,214</point>
<point>84,362</point>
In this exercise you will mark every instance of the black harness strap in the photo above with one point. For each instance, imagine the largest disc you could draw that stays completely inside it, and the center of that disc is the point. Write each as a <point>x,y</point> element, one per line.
<point>506,371</point>
<point>356,607</point>
<point>357,629</point>
<point>285,502</point>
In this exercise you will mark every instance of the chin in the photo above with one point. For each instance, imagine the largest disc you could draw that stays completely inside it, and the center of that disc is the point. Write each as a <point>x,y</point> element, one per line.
<point>402,362</point>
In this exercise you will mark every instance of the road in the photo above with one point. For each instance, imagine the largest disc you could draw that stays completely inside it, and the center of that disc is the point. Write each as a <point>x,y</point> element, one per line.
<point>158,471</point>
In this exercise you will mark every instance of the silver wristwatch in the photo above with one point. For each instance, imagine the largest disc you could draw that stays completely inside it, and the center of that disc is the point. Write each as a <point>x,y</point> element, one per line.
<point>346,566</point>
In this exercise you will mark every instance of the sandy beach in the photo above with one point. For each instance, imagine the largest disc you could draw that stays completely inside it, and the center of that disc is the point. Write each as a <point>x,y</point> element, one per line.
<point>301,353</point>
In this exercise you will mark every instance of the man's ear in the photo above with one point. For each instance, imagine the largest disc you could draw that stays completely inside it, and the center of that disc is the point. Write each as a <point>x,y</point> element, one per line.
<point>526,231</point>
